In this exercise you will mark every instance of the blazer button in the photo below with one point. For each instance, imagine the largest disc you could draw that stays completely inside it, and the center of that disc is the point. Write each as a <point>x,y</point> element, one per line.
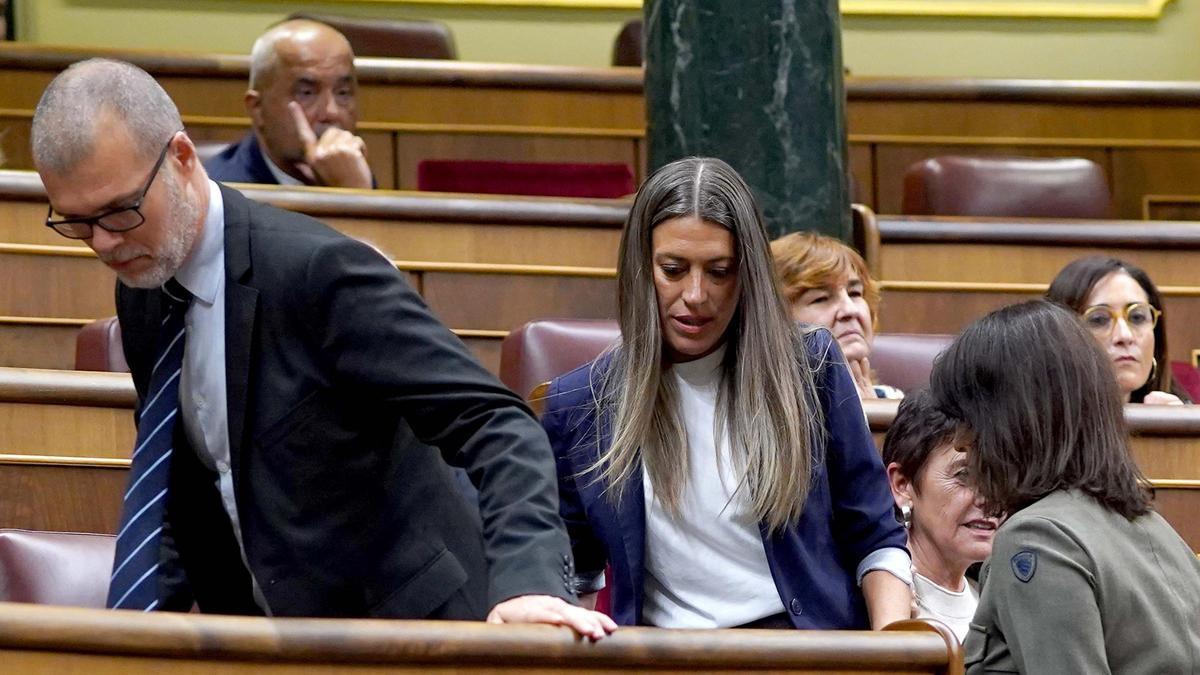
<point>795,606</point>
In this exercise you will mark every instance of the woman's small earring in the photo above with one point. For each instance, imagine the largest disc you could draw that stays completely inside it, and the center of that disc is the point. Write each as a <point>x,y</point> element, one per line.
<point>906,515</point>
<point>1153,368</point>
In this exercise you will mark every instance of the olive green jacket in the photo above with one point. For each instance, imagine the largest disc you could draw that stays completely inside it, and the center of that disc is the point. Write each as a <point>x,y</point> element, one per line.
<point>1074,588</point>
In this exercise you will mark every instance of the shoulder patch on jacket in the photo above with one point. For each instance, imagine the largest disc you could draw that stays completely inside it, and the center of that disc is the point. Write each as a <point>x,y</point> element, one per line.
<point>1024,565</point>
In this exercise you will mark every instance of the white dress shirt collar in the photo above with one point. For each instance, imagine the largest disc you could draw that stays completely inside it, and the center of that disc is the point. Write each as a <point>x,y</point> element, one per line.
<point>201,273</point>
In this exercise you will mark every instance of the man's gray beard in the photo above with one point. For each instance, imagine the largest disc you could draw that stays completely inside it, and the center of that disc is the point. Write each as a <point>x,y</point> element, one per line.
<point>181,234</point>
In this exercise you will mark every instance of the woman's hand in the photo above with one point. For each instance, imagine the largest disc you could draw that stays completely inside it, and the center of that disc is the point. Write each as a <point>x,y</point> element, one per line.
<point>860,370</point>
<point>1161,398</point>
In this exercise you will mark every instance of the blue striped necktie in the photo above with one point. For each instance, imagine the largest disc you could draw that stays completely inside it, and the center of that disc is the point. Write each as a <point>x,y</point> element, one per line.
<point>135,577</point>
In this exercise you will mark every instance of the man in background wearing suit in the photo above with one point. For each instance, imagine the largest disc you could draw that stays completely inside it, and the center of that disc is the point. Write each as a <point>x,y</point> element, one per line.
<point>283,370</point>
<point>303,108</point>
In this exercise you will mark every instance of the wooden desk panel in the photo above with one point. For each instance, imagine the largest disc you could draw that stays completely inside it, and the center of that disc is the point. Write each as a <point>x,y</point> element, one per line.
<point>1030,263</point>
<point>505,302</point>
<point>64,283</point>
<point>1171,207</point>
<point>413,147</point>
<point>61,498</point>
<point>37,345</point>
<point>507,244</point>
<point>949,311</point>
<point>938,275</point>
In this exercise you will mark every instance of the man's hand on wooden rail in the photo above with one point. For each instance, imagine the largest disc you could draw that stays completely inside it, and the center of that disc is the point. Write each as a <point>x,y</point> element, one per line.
<point>552,610</point>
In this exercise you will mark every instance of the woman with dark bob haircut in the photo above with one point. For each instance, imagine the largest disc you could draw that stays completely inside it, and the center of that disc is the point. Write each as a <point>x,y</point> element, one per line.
<point>1122,309</point>
<point>1084,576</point>
<point>717,458</point>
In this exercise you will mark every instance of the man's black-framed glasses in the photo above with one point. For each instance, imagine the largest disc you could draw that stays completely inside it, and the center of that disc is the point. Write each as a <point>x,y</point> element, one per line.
<point>117,220</point>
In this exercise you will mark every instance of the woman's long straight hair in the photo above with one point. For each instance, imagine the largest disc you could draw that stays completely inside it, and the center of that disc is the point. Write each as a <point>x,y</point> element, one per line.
<point>767,407</point>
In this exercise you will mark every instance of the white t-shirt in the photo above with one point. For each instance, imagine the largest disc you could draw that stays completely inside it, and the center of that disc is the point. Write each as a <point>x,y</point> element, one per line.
<point>953,608</point>
<point>707,569</point>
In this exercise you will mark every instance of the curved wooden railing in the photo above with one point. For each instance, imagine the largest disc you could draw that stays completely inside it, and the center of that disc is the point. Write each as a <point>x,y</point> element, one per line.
<point>368,70</point>
<point>459,73</point>
<point>434,207</point>
<point>1131,234</point>
<point>1143,420</point>
<point>130,642</point>
<point>66,387</point>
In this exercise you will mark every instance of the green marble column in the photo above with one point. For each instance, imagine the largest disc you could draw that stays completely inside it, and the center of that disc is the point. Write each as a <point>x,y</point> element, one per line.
<point>759,84</point>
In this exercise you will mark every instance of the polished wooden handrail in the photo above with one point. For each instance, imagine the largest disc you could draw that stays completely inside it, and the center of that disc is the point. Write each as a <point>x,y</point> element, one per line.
<point>1143,420</point>
<point>364,641</point>
<point>434,207</point>
<point>1134,234</point>
<point>997,90</point>
<point>427,72</point>
<point>66,387</point>
<point>629,80</point>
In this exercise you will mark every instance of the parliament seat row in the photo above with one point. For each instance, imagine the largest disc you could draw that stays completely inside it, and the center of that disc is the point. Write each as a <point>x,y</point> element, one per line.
<point>1142,135</point>
<point>488,264</point>
<point>65,437</point>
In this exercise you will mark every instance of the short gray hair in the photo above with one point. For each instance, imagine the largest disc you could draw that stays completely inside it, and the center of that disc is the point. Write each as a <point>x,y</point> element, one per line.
<point>64,124</point>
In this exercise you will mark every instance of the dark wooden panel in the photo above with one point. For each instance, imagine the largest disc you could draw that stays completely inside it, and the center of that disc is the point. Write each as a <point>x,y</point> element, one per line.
<point>1179,505</point>
<point>1185,207</point>
<point>487,350</point>
<point>862,167</point>
<point>1138,172</point>
<point>504,302</point>
<point>62,498</point>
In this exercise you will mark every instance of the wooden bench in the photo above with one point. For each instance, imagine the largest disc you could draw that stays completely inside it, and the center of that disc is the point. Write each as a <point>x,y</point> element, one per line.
<point>484,264</point>
<point>409,110</point>
<point>65,439</point>
<point>1146,135</point>
<point>1165,443</point>
<point>50,640</point>
<point>939,274</point>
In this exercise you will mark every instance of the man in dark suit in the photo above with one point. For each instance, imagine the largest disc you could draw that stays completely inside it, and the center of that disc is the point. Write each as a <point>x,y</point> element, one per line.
<point>303,108</point>
<point>284,373</point>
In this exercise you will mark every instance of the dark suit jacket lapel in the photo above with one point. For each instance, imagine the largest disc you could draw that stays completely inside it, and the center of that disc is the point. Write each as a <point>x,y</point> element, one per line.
<point>241,310</point>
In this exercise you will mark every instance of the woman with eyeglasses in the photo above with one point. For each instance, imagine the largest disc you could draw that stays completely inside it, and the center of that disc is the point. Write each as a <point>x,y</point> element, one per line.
<point>1122,309</point>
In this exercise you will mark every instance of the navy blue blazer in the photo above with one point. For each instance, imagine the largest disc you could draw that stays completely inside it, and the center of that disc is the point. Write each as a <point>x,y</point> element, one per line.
<point>241,162</point>
<point>848,515</point>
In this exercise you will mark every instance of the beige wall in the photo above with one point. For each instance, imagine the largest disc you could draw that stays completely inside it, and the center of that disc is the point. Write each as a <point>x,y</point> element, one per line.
<point>504,35</point>
<point>1028,48</point>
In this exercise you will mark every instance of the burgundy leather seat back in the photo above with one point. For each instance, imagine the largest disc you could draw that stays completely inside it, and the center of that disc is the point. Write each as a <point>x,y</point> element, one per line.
<point>1010,187</point>
<point>55,568</point>
<point>629,48</point>
<point>905,360</point>
<point>98,347</point>
<point>391,38</point>
<point>544,179</point>
<point>541,350</point>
